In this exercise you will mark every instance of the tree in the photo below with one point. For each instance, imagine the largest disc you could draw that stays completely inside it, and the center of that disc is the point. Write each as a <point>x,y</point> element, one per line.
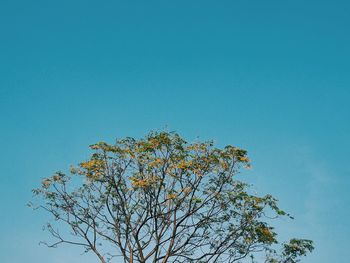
<point>161,199</point>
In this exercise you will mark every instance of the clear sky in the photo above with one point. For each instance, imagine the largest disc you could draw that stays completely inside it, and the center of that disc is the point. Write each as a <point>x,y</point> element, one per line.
<point>269,76</point>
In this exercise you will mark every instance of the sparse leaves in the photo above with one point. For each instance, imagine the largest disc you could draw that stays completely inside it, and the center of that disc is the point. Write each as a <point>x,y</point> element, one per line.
<point>161,199</point>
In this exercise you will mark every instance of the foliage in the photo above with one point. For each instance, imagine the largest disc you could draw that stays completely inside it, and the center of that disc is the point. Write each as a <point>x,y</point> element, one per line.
<point>161,199</point>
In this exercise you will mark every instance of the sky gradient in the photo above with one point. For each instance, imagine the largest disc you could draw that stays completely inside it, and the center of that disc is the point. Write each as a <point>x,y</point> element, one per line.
<point>269,76</point>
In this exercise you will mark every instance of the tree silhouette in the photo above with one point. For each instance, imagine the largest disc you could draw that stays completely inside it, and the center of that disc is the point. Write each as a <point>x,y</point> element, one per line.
<point>161,199</point>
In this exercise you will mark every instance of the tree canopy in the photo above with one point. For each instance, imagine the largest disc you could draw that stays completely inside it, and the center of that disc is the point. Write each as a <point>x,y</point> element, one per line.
<point>162,199</point>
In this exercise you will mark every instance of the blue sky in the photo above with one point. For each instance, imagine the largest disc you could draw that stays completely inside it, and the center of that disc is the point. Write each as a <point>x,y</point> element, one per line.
<point>269,76</point>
